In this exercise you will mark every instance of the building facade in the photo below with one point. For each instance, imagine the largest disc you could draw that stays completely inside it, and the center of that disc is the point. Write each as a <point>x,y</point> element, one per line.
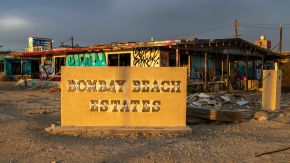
<point>230,62</point>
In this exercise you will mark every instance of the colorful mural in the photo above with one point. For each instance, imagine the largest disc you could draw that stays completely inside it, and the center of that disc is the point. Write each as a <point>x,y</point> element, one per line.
<point>47,67</point>
<point>86,59</point>
<point>239,70</point>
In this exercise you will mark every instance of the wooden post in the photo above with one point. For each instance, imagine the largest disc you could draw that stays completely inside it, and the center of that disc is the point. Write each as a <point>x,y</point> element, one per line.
<point>205,69</point>
<point>254,65</point>
<point>262,68</point>
<point>228,71</point>
<point>189,66</point>
<point>263,60</point>
<point>21,67</point>
<point>247,68</point>
<point>222,68</point>
<point>281,39</point>
<point>118,60</point>
<point>177,57</point>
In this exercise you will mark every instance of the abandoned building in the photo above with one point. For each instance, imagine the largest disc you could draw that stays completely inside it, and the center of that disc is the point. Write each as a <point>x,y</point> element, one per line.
<point>212,64</point>
<point>50,61</point>
<point>285,67</point>
<point>3,54</point>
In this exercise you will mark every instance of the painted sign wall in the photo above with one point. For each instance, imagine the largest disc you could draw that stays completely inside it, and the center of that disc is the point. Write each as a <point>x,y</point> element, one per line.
<point>48,63</point>
<point>44,43</point>
<point>123,96</point>
<point>86,59</point>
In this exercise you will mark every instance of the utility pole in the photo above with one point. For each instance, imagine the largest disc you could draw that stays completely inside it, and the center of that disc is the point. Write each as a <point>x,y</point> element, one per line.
<point>236,25</point>
<point>72,42</point>
<point>281,39</point>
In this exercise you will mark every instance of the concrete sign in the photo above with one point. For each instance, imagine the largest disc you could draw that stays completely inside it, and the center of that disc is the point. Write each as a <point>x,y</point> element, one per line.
<point>123,96</point>
<point>271,95</point>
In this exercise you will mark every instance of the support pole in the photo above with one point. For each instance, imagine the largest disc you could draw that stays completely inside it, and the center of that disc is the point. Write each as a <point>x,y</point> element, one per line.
<point>118,59</point>
<point>281,40</point>
<point>228,70</point>
<point>263,62</point>
<point>21,67</point>
<point>262,68</point>
<point>205,69</point>
<point>177,57</point>
<point>222,68</point>
<point>247,68</point>
<point>254,65</point>
<point>236,26</point>
<point>72,42</point>
<point>189,66</point>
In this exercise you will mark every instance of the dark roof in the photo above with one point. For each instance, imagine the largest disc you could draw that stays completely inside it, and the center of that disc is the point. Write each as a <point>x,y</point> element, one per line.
<point>60,51</point>
<point>187,44</point>
<point>217,44</point>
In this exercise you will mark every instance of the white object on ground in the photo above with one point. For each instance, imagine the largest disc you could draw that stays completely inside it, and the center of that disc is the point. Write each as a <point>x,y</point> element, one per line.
<point>225,98</point>
<point>242,102</point>
<point>203,95</point>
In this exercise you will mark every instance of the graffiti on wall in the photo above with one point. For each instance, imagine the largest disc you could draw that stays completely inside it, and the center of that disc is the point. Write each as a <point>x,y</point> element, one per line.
<point>47,68</point>
<point>87,59</point>
<point>239,70</point>
<point>146,56</point>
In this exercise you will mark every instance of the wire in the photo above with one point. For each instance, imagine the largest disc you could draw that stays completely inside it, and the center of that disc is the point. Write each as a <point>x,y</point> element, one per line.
<point>264,26</point>
<point>196,34</point>
<point>275,47</point>
<point>259,27</point>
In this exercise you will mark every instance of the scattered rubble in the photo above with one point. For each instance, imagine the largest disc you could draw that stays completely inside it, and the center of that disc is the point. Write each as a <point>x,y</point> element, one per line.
<point>242,102</point>
<point>261,116</point>
<point>229,101</point>
<point>221,107</point>
<point>226,98</point>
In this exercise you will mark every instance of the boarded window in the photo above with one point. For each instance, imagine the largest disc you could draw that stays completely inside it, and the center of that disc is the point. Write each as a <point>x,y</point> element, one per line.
<point>183,60</point>
<point>119,59</point>
<point>35,68</point>
<point>172,59</point>
<point>164,59</point>
<point>1,66</point>
<point>59,61</point>
<point>125,59</point>
<point>16,68</point>
<point>113,60</point>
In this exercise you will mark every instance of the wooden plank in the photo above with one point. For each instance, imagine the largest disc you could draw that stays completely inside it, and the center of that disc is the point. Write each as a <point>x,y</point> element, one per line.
<point>215,114</point>
<point>117,130</point>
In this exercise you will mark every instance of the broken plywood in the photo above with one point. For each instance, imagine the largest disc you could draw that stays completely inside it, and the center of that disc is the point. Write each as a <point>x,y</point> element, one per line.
<point>216,114</point>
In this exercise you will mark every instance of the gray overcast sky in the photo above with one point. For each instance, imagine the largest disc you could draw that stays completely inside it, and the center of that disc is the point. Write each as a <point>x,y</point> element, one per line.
<point>105,21</point>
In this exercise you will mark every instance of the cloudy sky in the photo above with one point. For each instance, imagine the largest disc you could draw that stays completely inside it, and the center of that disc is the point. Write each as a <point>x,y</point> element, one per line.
<point>105,21</point>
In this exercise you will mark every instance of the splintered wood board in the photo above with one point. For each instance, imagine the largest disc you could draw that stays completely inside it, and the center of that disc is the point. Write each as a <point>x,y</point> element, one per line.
<point>219,114</point>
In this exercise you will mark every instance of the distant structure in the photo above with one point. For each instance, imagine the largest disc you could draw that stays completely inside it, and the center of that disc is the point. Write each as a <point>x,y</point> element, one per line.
<point>36,44</point>
<point>3,54</point>
<point>263,42</point>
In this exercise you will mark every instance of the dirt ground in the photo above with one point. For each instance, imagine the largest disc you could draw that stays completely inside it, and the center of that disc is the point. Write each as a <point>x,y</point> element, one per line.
<point>25,113</point>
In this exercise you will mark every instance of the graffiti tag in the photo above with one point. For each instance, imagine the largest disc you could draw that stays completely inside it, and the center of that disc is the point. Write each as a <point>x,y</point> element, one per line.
<point>146,56</point>
<point>47,66</point>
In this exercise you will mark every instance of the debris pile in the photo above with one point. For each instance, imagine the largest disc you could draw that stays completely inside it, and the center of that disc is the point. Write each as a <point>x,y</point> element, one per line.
<point>228,101</point>
<point>221,107</point>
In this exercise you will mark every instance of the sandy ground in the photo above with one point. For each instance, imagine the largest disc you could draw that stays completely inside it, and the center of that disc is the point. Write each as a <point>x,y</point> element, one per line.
<point>24,114</point>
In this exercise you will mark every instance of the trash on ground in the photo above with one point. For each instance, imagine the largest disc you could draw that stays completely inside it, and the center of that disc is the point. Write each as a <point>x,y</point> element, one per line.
<point>242,102</point>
